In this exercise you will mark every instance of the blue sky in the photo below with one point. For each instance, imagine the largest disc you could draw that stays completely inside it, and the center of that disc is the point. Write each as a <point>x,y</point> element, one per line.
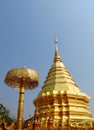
<point>27,31</point>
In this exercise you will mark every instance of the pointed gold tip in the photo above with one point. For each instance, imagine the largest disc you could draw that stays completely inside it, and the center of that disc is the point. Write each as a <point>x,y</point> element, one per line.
<point>56,40</point>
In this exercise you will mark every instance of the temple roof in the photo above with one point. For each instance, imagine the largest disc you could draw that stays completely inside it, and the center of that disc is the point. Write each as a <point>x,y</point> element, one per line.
<point>59,79</point>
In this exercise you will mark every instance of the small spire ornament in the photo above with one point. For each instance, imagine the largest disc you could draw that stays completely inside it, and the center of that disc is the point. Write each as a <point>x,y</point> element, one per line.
<point>56,40</point>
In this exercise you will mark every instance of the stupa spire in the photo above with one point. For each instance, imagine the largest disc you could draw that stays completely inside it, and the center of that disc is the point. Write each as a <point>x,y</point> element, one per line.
<point>57,57</point>
<point>68,104</point>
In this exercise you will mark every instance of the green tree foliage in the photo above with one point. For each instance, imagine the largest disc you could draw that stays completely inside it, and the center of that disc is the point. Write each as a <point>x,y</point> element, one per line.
<point>5,114</point>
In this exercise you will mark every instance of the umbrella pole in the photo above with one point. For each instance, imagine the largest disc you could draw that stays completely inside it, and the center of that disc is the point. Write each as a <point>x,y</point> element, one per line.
<point>21,105</point>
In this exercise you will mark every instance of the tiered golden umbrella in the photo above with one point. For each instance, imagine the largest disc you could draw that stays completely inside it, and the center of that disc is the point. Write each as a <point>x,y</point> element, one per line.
<point>22,78</point>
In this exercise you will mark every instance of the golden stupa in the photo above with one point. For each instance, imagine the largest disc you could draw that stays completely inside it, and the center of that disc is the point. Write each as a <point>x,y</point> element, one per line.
<point>61,101</point>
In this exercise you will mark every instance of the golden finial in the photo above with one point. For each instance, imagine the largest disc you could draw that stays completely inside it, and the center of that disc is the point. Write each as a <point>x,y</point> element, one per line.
<point>56,40</point>
<point>57,57</point>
